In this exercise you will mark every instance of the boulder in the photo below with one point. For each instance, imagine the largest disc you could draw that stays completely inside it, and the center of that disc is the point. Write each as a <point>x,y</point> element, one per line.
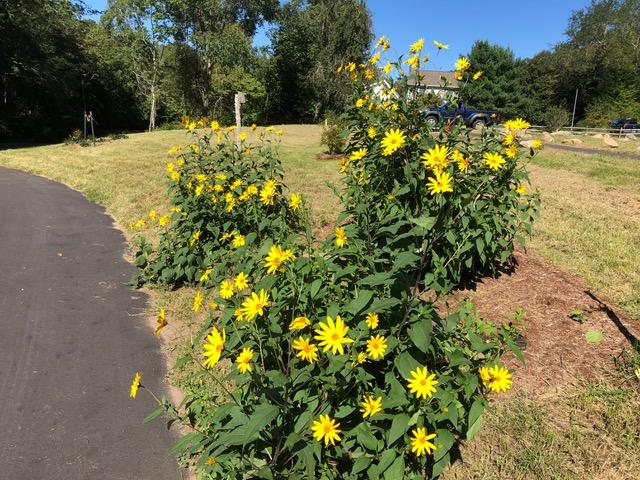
<point>560,132</point>
<point>572,141</point>
<point>547,137</point>
<point>597,135</point>
<point>630,136</point>
<point>607,141</point>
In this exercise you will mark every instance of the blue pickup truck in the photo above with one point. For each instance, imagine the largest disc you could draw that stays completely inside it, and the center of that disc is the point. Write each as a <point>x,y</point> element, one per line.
<point>471,117</point>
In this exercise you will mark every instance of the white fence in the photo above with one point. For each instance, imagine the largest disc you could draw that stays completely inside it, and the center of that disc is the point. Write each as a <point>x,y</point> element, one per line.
<point>588,130</point>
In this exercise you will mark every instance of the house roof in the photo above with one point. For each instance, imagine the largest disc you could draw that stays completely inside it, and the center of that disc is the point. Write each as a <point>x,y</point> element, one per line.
<point>433,78</point>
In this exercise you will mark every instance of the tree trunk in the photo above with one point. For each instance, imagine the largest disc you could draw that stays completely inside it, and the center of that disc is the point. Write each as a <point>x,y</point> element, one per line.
<point>152,109</point>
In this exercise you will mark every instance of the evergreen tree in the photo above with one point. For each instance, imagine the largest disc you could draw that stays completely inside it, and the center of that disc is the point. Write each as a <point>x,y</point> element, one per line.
<point>502,85</point>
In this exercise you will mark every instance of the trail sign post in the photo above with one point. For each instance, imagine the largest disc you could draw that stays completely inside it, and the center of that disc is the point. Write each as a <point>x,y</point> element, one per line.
<point>239,99</point>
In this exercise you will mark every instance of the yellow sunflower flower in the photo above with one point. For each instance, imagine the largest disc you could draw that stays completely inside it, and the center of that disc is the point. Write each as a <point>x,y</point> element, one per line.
<point>358,154</point>
<point>517,124</point>
<point>436,158</point>
<point>254,305</point>
<point>243,361</point>
<point>197,302</point>
<point>393,140</point>
<point>387,68</point>
<point>295,200</point>
<point>462,64</point>
<point>135,384</point>
<point>440,46</point>
<point>240,281</point>
<point>477,75</point>
<point>214,346</point>
<point>306,351</point>
<point>440,184</point>
<point>299,323</point>
<point>326,428</point>
<point>497,378</point>
<point>194,238</point>
<point>494,160</point>
<point>372,320</point>
<point>333,335</point>
<point>421,383</point>
<point>417,46</point>
<point>370,406</point>
<point>341,237</point>
<point>413,61</point>
<point>238,241</point>
<point>276,257</point>
<point>371,132</point>
<point>206,274</point>
<point>376,347</point>
<point>161,321</point>
<point>226,289</point>
<point>421,442</point>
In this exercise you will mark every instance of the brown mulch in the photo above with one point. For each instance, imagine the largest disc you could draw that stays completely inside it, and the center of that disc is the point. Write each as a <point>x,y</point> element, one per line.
<point>557,353</point>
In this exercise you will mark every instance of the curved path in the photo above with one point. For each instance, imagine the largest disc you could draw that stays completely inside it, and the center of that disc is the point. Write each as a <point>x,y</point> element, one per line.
<point>72,334</point>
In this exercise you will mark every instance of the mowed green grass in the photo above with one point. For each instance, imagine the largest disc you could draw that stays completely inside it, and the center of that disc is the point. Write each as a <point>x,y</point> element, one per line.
<point>590,225</point>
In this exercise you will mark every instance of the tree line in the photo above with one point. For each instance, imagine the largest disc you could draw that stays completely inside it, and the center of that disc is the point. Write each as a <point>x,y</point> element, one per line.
<point>600,60</point>
<point>146,63</point>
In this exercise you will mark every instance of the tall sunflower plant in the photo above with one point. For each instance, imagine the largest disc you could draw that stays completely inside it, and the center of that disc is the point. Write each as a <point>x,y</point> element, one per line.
<point>448,201</point>
<point>343,359</point>
<point>227,196</point>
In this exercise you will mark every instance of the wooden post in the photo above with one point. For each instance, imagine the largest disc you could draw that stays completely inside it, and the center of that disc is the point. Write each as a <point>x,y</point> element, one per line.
<point>239,98</point>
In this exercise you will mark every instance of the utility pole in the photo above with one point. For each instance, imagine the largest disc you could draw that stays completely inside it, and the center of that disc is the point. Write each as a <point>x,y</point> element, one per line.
<point>575,102</point>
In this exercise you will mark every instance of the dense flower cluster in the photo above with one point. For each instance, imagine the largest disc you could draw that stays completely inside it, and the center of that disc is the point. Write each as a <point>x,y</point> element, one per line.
<point>340,367</point>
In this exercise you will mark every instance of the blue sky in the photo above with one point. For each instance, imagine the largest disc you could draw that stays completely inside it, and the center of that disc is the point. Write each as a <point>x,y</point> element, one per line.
<point>525,26</point>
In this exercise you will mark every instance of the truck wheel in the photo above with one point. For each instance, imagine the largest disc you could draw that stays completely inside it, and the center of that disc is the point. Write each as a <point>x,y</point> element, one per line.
<point>432,121</point>
<point>479,123</point>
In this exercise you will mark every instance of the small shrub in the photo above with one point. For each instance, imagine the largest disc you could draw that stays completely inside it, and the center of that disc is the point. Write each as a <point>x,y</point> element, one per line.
<point>118,136</point>
<point>227,201</point>
<point>333,139</point>
<point>556,118</point>
<point>74,137</point>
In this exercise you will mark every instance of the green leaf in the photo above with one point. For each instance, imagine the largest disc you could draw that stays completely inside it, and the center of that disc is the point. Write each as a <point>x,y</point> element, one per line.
<point>444,441</point>
<point>315,287</point>
<point>186,439</point>
<point>373,472</point>
<point>404,259</point>
<point>398,427</point>
<point>405,363</point>
<point>420,334</point>
<point>360,464</point>
<point>386,459</point>
<point>376,279</point>
<point>396,471</point>
<point>424,221</point>
<point>475,416</point>
<point>358,304</point>
<point>265,472</point>
<point>155,414</point>
<point>366,438</point>
<point>475,428</point>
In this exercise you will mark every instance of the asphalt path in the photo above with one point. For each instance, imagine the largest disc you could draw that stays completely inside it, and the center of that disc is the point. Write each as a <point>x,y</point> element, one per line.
<point>72,335</point>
